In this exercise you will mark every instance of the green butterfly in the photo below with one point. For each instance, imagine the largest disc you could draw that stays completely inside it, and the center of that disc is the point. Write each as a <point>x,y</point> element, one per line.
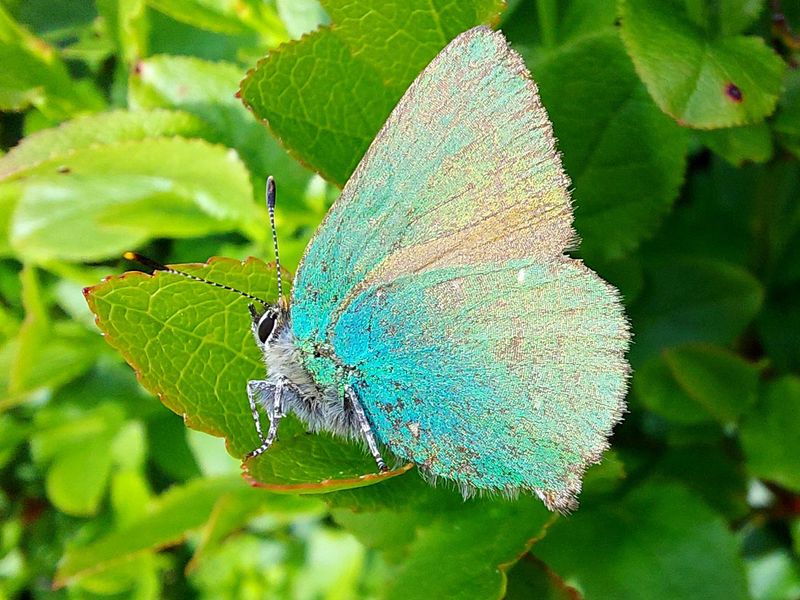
<point>435,311</point>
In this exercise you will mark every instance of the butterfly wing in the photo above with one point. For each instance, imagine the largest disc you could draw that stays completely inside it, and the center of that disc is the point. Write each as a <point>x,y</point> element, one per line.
<point>462,190</point>
<point>497,376</point>
<point>464,171</point>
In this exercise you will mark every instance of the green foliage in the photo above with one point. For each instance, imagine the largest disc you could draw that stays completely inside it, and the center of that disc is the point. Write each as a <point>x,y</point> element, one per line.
<point>777,417</point>
<point>696,67</point>
<point>692,384</point>
<point>658,537</point>
<point>622,199</point>
<point>358,71</point>
<point>121,130</point>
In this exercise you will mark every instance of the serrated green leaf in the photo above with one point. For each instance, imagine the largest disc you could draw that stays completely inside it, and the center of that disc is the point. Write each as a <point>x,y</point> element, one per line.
<point>627,172</point>
<point>33,74</point>
<point>657,538</point>
<point>59,143</point>
<point>702,78</point>
<point>467,555</point>
<point>769,434</point>
<point>319,128</point>
<point>207,89</point>
<point>688,299</point>
<point>338,84</point>
<point>189,342</point>
<point>696,383</point>
<point>98,201</point>
<point>398,39</point>
<point>192,345</point>
<point>737,145</point>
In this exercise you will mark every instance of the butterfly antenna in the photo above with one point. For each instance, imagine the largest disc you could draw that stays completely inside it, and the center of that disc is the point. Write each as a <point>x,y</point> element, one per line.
<point>156,266</point>
<point>271,209</point>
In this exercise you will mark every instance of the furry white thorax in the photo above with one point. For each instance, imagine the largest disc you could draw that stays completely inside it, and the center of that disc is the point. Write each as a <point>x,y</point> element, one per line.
<point>319,407</point>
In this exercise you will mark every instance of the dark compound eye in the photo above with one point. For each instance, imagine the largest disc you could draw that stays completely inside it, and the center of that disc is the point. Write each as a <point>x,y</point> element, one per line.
<point>265,326</point>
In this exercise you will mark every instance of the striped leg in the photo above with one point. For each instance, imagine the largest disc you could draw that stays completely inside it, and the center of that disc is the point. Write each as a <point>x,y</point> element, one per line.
<point>274,411</point>
<point>366,429</point>
<point>257,388</point>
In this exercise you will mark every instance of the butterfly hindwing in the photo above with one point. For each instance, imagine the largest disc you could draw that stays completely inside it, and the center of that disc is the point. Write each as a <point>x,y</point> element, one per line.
<point>480,351</point>
<point>499,377</point>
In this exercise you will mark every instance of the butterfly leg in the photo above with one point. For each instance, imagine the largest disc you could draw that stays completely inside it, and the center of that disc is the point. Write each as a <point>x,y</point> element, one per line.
<point>255,389</point>
<point>366,429</point>
<point>275,412</point>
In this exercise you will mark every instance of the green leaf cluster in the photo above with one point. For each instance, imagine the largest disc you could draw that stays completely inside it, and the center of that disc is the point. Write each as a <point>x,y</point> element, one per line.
<point>140,125</point>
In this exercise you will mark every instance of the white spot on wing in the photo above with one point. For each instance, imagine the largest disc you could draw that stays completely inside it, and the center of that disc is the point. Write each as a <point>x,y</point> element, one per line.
<point>521,274</point>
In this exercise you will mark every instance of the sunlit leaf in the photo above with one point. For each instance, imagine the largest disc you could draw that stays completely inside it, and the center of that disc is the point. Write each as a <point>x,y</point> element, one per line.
<point>695,69</point>
<point>96,202</point>
<point>207,89</point>
<point>59,143</point>
<point>192,345</point>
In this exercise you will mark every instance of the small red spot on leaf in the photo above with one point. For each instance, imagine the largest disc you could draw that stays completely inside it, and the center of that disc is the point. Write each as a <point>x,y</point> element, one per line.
<point>733,92</point>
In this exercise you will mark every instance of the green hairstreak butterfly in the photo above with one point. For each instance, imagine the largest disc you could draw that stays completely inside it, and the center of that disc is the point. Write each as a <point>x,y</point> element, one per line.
<point>435,311</point>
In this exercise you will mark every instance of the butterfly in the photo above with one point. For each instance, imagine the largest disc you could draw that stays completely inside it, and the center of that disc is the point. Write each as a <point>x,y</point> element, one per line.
<point>435,313</point>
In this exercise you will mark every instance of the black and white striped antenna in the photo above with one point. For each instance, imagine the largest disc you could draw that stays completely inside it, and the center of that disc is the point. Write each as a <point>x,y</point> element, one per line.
<point>157,266</point>
<point>271,209</point>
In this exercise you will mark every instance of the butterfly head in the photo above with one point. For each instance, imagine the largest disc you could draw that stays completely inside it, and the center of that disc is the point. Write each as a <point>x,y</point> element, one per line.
<point>268,322</point>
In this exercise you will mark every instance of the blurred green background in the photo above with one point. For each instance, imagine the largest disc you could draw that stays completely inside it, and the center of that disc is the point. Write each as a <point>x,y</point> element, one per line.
<point>679,124</point>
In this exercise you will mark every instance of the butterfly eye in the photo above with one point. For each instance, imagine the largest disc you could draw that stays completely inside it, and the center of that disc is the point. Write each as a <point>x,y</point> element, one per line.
<point>265,326</point>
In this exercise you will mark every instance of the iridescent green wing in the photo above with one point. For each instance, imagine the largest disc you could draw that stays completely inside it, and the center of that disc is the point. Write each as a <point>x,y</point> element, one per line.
<point>481,351</point>
<point>501,377</point>
<point>464,171</point>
